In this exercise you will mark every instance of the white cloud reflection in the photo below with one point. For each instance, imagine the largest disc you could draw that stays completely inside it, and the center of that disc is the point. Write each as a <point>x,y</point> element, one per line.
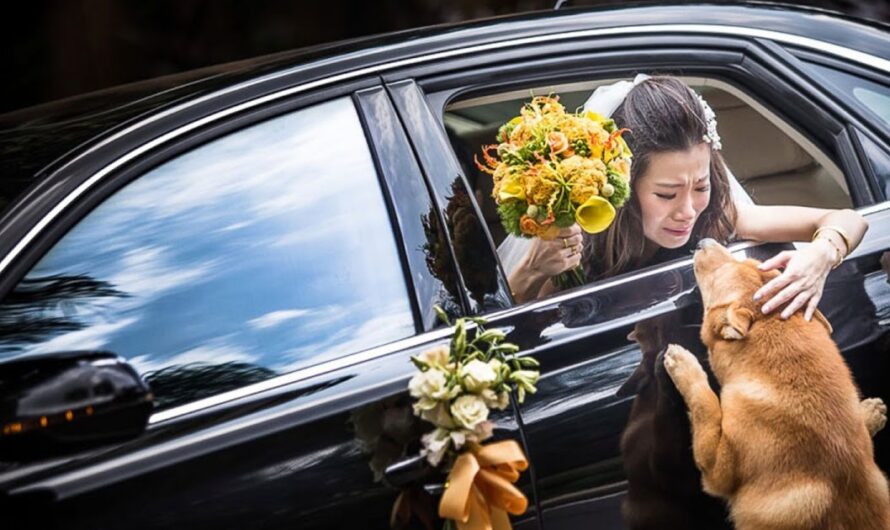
<point>149,271</point>
<point>275,318</point>
<point>94,337</point>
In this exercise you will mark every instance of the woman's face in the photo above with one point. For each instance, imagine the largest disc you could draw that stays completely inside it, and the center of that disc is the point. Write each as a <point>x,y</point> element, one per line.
<point>673,192</point>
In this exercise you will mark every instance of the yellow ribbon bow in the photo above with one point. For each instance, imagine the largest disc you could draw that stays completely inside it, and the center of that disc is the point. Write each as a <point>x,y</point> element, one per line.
<point>480,488</point>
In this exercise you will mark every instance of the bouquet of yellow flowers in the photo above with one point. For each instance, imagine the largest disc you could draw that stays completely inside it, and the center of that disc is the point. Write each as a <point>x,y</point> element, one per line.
<point>552,169</point>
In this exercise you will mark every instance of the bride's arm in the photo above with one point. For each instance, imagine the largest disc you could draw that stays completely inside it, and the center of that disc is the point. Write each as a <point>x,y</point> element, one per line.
<point>805,270</point>
<point>526,282</point>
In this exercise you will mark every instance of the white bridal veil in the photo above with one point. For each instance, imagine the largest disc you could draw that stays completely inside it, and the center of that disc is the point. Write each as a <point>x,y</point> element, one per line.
<point>604,101</point>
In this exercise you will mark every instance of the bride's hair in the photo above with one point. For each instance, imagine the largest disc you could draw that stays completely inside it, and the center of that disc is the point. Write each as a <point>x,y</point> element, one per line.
<point>663,115</point>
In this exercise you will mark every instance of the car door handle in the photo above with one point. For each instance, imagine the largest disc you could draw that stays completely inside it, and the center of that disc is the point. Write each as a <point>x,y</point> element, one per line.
<point>411,470</point>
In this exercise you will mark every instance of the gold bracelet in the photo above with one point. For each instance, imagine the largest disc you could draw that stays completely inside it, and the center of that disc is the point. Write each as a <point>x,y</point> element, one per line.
<point>840,255</point>
<point>839,231</point>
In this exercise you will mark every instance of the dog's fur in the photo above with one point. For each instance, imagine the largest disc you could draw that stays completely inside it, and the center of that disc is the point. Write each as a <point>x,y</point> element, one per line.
<point>663,484</point>
<point>787,443</point>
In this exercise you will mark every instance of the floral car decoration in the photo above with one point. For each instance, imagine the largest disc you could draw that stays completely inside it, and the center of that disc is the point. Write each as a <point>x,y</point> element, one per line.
<point>455,389</point>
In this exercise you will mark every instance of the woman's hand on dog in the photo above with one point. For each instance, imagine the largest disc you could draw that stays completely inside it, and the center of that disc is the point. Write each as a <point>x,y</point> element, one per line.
<point>801,282</point>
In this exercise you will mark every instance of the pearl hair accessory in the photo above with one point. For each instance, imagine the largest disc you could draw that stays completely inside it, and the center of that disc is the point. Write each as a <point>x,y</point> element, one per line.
<point>711,119</point>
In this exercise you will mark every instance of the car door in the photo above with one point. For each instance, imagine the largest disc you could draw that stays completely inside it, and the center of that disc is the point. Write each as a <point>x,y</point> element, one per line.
<point>862,95</point>
<point>605,420</point>
<point>269,277</point>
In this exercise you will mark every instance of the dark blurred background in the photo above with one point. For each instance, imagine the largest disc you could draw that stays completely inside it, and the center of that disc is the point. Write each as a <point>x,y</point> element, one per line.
<point>60,48</point>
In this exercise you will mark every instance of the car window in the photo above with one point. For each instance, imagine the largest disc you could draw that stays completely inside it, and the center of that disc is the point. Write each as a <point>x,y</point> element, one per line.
<point>867,95</point>
<point>264,251</point>
<point>877,159</point>
<point>788,169</point>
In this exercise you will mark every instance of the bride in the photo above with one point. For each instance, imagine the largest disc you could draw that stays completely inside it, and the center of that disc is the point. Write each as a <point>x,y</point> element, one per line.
<point>683,192</point>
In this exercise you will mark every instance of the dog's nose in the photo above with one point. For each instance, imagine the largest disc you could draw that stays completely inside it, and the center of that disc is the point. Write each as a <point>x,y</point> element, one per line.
<point>706,242</point>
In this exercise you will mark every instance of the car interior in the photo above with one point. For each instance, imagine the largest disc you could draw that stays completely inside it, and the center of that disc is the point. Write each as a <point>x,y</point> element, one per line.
<point>775,163</point>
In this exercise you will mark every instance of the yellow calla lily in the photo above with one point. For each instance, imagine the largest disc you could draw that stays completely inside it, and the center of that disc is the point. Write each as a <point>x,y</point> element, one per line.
<point>599,118</point>
<point>595,215</point>
<point>511,189</point>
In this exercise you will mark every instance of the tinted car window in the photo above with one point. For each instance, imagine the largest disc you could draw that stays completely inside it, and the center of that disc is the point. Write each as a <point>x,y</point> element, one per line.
<point>871,96</point>
<point>878,160</point>
<point>261,252</point>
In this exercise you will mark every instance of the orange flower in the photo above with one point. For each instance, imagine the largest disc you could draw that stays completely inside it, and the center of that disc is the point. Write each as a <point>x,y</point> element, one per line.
<point>558,142</point>
<point>546,229</point>
<point>621,166</point>
<point>529,226</point>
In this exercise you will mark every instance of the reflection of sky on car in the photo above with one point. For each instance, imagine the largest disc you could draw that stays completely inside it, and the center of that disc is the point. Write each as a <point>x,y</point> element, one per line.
<point>270,246</point>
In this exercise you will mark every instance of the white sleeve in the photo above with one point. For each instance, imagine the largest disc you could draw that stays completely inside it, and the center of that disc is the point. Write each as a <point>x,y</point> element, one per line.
<point>736,191</point>
<point>511,251</point>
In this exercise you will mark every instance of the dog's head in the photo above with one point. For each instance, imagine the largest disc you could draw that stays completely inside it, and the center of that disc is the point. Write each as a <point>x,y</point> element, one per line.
<point>727,288</point>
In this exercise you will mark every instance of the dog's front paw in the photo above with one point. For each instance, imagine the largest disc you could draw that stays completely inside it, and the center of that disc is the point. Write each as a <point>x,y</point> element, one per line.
<point>683,366</point>
<point>874,412</point>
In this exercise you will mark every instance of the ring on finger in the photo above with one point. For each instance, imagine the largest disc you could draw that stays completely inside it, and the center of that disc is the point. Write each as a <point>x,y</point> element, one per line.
<point>565,242</point>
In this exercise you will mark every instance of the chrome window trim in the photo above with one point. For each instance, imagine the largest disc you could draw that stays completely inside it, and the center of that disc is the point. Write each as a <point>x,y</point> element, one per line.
<point>806,42</point>
<point>300,375</point>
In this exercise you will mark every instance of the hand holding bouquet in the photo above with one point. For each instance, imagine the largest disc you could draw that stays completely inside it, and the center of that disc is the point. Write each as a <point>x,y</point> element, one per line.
<point>552,169</point>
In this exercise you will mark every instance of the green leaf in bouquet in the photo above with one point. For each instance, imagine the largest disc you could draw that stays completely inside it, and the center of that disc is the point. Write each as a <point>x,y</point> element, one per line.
<point>510,212</point>
<point>581,147</point>
<point>509,155</point>
<point>443,316</point>
<point>537,146</point>
<point>422,366</point>
<point>490,335</point>
<point>505,131</point>
<point>621,191</point>
<point>565,218</point>
<point>459,341</point>
<point>506,347</point>
<point>479,321</point>
<point>529,362</point>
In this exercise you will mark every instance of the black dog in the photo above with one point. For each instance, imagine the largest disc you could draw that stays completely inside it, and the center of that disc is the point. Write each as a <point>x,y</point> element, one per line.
<point>664,485</point>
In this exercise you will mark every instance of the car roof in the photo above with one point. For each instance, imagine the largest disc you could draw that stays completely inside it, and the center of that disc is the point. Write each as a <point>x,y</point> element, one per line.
<point>32,139</point>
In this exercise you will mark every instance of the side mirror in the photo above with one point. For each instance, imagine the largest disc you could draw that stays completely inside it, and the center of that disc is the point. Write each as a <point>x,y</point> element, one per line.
<point>69,401</point>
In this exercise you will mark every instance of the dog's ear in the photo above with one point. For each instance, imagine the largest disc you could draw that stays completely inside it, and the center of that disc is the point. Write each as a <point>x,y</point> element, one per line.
<point>736,322</point>
<point>824,321</point>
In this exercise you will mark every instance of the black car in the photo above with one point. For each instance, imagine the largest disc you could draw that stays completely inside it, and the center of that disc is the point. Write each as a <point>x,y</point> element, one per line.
<point>244,258</point>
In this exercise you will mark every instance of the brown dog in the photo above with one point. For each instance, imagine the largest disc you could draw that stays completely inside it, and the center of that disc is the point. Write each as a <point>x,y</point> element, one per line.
<point>788,442</point>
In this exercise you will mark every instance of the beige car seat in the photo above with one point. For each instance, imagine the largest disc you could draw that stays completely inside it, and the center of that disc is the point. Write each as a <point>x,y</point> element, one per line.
<point>771,167</point>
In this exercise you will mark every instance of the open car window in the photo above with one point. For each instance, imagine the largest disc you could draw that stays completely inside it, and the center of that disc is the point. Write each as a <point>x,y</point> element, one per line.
<point>773,161</point>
